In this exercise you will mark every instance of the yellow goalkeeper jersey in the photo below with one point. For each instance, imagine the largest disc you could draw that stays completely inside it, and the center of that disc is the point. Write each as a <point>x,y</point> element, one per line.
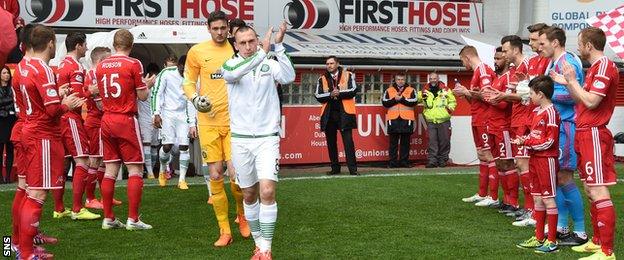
<point>203,63</point>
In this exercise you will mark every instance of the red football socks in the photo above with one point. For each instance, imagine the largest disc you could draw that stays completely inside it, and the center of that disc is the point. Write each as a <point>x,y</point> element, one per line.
<point>606,223</point>
<point>18,200</point>
<point>483,179</point>
<point>78,186</point>
<point>552,214</point>
<point>135,190</point>
<point>108,191</point>
<point>29,224</point>
<point>493,181</point>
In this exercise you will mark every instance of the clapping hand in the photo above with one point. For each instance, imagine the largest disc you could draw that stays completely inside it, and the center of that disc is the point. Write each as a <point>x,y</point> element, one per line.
<point>149,80</point>
<point>73,101</point>
<point>266,41</point>
<point>460,90</point>
<point>519,141</point>
<point>279,36</point>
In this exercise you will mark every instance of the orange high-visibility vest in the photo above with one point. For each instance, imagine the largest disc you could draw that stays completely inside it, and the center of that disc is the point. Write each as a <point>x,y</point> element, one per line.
<point>343,84</point>
<point>400,110</point>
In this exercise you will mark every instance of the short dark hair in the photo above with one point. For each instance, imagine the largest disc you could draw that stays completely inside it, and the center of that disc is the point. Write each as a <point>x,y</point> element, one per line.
<point>544,84</point>
<point>538,27</point>
<point>333,57</point>
<point>555,33</point>
<point>513,40</point>
<point>98,52</point>
<point>236,23</point>
<point>216,16</point>
<point>171,58</point>
<point>499,49</point>
<point>40,36</point>
<point>74,38</point>
<point>244,28</point>
<point>595,36</point>
<point>25,35</point>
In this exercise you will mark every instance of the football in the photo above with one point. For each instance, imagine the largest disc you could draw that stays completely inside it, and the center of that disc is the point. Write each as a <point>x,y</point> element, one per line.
<point>202,104</point>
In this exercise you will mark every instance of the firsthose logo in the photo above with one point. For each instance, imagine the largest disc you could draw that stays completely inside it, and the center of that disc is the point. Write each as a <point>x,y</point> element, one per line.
<point>51,11</point>
<point>306,14</point>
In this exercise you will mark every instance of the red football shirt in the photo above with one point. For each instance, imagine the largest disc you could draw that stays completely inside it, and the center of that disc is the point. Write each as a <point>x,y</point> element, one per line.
<point>70,72</point>
<point>538,65</point>
<point>482,77</point>
<point>520,113</point>
<point>94,114</point>
<point>543,141</point>
<point>119,77</point>
<point>17,92</point>
<point>602,79</point>
<point>39,91</point>
<point>500,113</point>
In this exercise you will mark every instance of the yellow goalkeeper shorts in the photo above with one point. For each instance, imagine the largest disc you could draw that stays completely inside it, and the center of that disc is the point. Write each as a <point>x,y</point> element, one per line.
<point>215,143</point>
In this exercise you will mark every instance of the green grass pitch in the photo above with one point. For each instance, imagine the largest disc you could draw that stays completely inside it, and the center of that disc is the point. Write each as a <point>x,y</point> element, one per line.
<point>407,214</point>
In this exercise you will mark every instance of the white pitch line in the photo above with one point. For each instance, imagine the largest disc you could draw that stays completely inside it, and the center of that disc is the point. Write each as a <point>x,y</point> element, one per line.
<point>195,181</point>
<point>320,177</point>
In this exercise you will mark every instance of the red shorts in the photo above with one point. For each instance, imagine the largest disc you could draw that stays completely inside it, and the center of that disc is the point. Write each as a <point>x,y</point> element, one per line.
<point>543,172</point>
<point>501,141</point>
<point>19,162</point>
<point>596,162</point>
<point>18,151</point>
<point>481,139</point>
<point>121,139</point>
<point>74,136</point>
<point>519,151</point>
<point>45,163</point>
<point>96,148</point>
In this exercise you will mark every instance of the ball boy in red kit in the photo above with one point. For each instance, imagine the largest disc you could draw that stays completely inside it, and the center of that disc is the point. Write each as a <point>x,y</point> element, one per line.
<point>543,145</point>
<point>121,82</point>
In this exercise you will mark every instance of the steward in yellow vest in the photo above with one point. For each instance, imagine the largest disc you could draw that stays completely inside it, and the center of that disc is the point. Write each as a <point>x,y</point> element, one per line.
<point>400,99</point>
<point>439,103</point>
<point>336,90</point>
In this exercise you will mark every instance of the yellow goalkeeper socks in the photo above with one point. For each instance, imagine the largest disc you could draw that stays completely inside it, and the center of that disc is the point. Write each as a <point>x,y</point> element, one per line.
<point>238,197</point>
<point>220,205</point>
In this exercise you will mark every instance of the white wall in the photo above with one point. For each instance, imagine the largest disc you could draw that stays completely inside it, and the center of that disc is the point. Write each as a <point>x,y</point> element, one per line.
<point>463,149</point>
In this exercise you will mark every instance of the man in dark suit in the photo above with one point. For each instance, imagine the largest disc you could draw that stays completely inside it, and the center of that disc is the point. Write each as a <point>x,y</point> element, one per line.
<point>336,90</point>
